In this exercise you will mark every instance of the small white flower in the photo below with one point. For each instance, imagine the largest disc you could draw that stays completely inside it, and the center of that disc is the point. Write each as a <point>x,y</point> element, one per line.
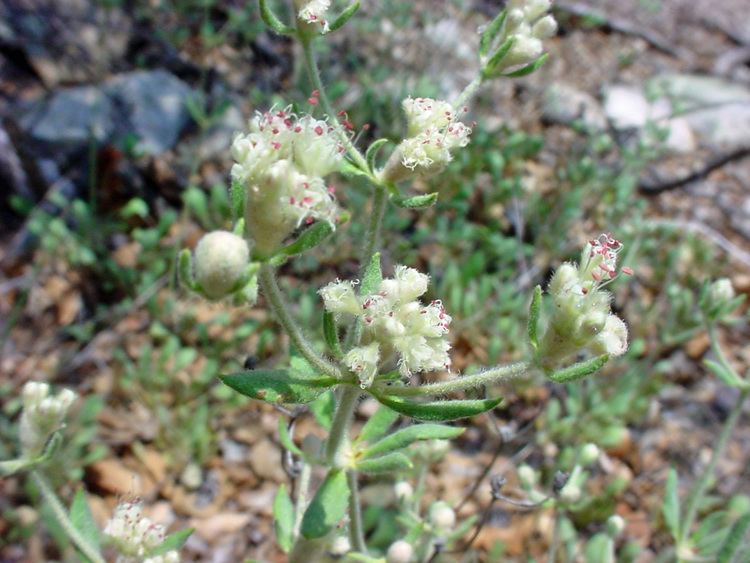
<point>425,113</point>
<point>314,11</point>
<point>363,361</point>
<point>135,536</point>
<point>340,297</point>
<point>721,291</point>
<point>613,339</point>
<point>42,415</point>
<point>316,148</point>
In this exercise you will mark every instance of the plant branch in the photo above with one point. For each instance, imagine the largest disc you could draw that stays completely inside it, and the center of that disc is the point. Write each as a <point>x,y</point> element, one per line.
<point>338,438</point>
<point>356,528</point>
<point>62,518</point>
<point>276,302</point>
<point>468,93</point>
<point>461,383</point>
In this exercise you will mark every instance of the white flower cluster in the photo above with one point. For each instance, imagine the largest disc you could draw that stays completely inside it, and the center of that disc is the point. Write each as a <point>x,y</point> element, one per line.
<point>527,23</point>
<point>394,321</point>
<point>281,163</point>
<point>42,415</point>
<point>136,537</point>
<point>582,318</point>
<point>313,13</point>
<point>433,132</point>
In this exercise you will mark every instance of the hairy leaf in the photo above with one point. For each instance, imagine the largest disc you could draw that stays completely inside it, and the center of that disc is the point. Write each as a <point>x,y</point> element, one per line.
<point>328,506</point>
<point>278,385</point>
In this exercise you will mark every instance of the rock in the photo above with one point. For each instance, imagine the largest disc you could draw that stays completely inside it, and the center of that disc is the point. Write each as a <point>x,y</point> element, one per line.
<point>564,104</point>
<point>65,42</point>
<point>225,523</point>
<point>626,107</point>
<point>265,461</point>
<point>146,105</point>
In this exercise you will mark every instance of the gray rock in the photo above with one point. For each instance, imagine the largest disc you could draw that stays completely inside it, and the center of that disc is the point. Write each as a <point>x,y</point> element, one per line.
<point>626,107</point>
<point>564,104</point>
<point>147,105</point>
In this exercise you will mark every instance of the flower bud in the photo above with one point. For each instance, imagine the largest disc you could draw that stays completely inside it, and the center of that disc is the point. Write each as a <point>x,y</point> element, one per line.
<point>221,260</point>
<point>570,493</point>
<point>589,454</point>
<point>615,525</point>
<point>442,516</point>
<point>340,546</point>
<point>399,552</point>
<point>613,339</point>
<point>527,477</point>
<point>42,415</point>
<point>312,13</point>
<point>403,491</point>
<point>721,291</point>
<point>544,28</point>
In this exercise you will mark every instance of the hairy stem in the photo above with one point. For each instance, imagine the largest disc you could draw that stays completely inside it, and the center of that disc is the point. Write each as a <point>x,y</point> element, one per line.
<point>468,93</point>
<point>61,515</point>
<point>314,73</point>
<point>276,302</point>
<point>303,485</point>
<point>338,438</point>
<point>305,550</point>
<point>356,528</point>
<point>461,383</point>
<point>700,486</point>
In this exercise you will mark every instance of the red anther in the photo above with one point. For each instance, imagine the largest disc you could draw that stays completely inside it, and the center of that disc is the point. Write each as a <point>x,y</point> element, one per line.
<point>309,221</point>
<point>297,129</point>
<point>280,114</point>
<point>276,145</point>
<point>292,200</point>
<point>366,127</point>
<point>319,130</point>
<point>312,101</point>
<point>465,109</point>
<point>307,200</point>
<point>596,276</point>
<point>315,93</point>
<point>275,131</point>
<point>473,123</point>
<point>627,271</point>
<point>347,125</point>
<point>288,123</point>
<point>342,113</point>
<point>331,189</point>
<point>584,290</point>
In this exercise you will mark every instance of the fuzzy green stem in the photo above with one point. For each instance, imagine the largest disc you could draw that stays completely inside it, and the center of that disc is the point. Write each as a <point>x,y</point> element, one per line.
<point>276,302</point>
<point>461,383</point>
<point>356,528</point>
<point>718,352</point>
<point>338,438</point>
<point>314,73</point>
<point>305,550</point>
<point>700,487</point>
<point>303,485</point>
<point>468,93</point>
<point>61,515</point>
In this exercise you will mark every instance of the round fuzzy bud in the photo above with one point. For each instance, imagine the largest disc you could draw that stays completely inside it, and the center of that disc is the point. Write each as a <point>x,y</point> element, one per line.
<point>403,491</point>
<point>615,525</point>
<point>221,259</point>
<point>544,28</point>
<point>721,291</point>
<point>340,546</point>
<point>589,454</point>
<point>399,552</point>
<point>442,516</point>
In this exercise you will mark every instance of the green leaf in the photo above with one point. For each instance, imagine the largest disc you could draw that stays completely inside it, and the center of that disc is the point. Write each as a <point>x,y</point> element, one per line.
<point>529,68</point>
<point>579,370</point>
<point>491,65</point>
<point>727,376</point>
<point>331,333</point>
<point>328,506</point>
<point>599,548</point>
<point>373,276</point>
<point>272,21</point>
<point>352,170</point>
<point>283,519</point>
<point>286,439</point>
<point>372,152</point>
<point>344,17</point>
<point>238,194</point>
<point>670,508</point>
<point>395,461</point>
<point>533,325</point>
<point>310,238</point>
<point>322,409</point>
<point>490,33</point>
<point>83,520</point>
<point>733,542</point>
<point>278,385</point>
<point>185,269</point>
<point>378,424</point>
<point>417,201</point>
<point>438,411</point>
<point>173,541</point>
<point>406,436</point>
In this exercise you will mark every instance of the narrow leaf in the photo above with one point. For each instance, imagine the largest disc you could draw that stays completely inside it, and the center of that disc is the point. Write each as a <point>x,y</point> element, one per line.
<point>331,333</point>
<point>727,376</point>
<point>533,325</point>
<point>579,370</point>
<point>173,541</point>
<point>352,170</point>
<point>344,17</point>
<point>322,409</point>
<point>529,68</point>
<point>373,276</point>
<point>490,67</point>
<point>310,238</point>
<point>286,439</point>
<point>490,33</point>
<point>417,201</point>
<point>395,461</point>
<point>378,424</point>
<point>733,542</point>
<point>407,436</point>
<point>278,385</point>
<point>238,194</point>
<point>671,506</point>
<point>372,152</point>
<point>270,19</point>
<point>438,411</point>
<point>185,269</point>
<point>328,506</point>
<point>283,519</point>
<point>83,520</point>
